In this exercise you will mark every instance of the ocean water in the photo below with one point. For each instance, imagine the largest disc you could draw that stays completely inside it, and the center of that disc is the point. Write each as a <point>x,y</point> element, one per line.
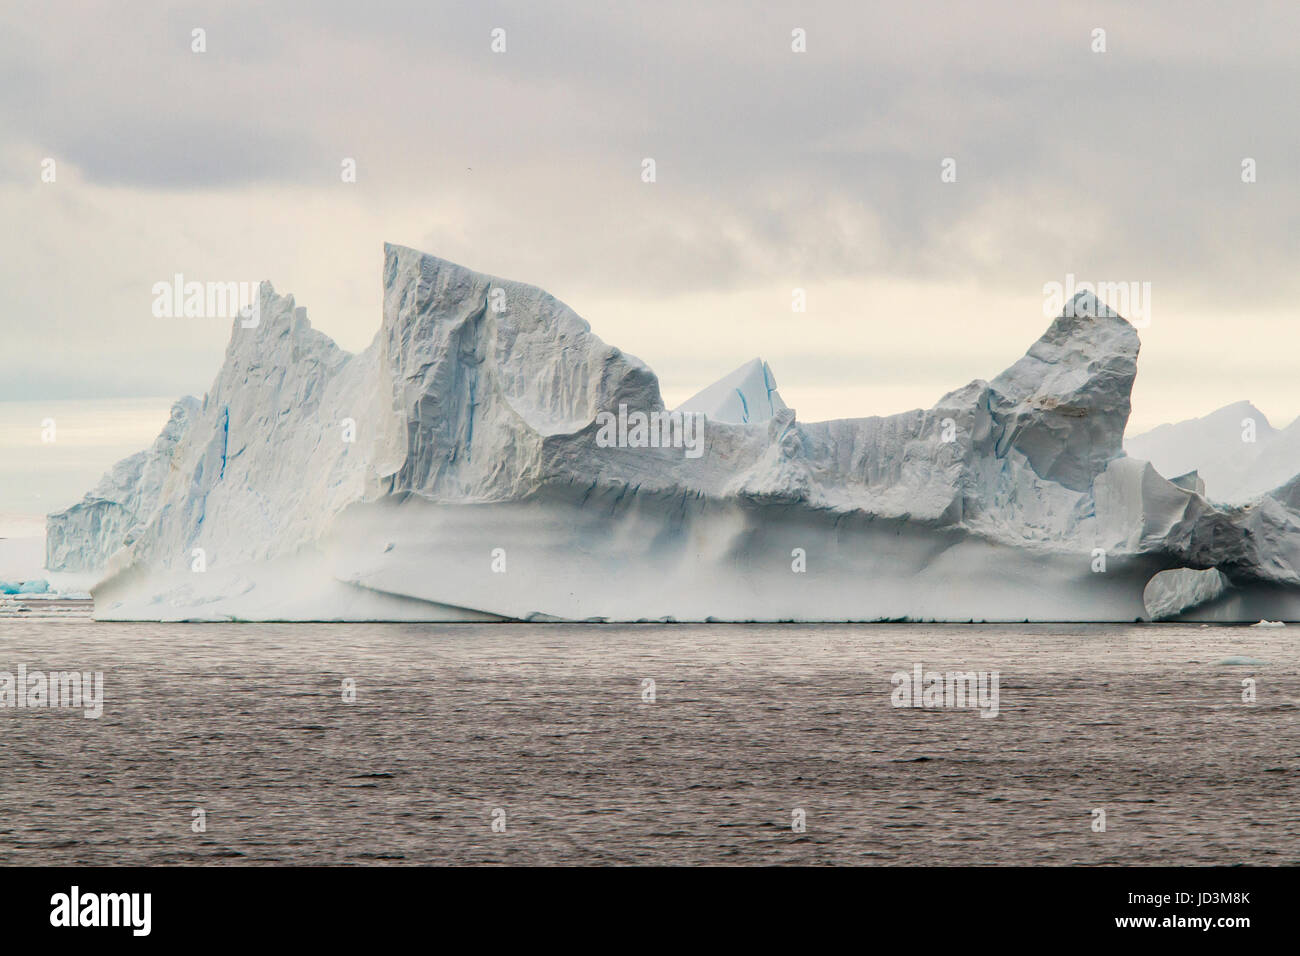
<point>545,728</point>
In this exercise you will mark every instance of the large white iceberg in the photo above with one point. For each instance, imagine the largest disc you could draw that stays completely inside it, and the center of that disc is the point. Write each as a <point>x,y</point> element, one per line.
<point>460,469</point>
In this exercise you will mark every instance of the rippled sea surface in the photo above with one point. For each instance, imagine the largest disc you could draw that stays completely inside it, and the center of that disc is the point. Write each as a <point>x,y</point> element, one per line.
<point>547,723</point>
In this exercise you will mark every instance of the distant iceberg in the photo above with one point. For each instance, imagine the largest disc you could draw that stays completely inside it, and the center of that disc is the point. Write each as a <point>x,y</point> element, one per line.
<point>1234,451</point>
<point>451,472</point>
<point>39,586</point>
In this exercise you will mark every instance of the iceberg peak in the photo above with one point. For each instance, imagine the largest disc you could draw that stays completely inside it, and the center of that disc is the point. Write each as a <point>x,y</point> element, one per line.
<point>747,396</point>
<point>455,470</point>
<point>1086,303</point>
<point>1066,403</point>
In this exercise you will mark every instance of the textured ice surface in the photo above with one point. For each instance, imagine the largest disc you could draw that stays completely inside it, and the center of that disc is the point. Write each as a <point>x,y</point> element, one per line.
<point>746,396</point>
<point>83,537</point>
<point>1170,593</point>
<point>451,471</point>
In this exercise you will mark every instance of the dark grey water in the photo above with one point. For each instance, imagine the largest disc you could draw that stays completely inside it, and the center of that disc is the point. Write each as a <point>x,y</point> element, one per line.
<point>547,723</point>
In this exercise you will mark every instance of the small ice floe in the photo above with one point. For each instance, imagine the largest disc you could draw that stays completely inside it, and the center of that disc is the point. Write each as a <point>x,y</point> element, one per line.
<point>1240,662</point>
<point>38,586</point>
<point>1270,624</point>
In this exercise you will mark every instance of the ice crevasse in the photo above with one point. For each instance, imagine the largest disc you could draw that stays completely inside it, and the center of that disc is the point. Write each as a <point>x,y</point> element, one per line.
<point>451,471</point>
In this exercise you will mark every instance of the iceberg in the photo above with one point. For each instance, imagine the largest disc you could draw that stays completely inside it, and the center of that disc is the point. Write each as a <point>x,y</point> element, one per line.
<point>39,586</point>
<point>83,537</point>
<point>1170,593</point>
<point>451,471</point>
<point>746,396</point>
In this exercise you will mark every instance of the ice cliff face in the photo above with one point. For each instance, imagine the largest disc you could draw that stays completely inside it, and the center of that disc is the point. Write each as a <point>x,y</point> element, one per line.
<point>83,537</point>
<point>488,457</point>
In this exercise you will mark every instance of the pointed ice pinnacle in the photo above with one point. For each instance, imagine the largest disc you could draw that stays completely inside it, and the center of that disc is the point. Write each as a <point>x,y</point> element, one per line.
<point>746,396</point>
<point>1086,303</point>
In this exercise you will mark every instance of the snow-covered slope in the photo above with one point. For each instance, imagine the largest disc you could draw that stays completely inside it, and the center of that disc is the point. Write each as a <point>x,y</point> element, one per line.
<point>1235,450</point>
<point>489,457</point>
<point>1207,445</point>
<point>746,396</point>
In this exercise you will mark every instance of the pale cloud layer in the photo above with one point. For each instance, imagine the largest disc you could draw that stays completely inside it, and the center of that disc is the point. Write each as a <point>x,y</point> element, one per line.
<point>775,170</point>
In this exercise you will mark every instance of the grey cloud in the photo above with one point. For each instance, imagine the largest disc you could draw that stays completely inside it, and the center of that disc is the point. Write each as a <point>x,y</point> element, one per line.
<point>821,166</point>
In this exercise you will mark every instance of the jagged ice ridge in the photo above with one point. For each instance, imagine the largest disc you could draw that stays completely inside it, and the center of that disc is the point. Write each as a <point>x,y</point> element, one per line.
<point>472,487</point>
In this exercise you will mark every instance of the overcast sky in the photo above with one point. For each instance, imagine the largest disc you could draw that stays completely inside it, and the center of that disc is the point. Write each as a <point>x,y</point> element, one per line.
<point>775,170</point>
